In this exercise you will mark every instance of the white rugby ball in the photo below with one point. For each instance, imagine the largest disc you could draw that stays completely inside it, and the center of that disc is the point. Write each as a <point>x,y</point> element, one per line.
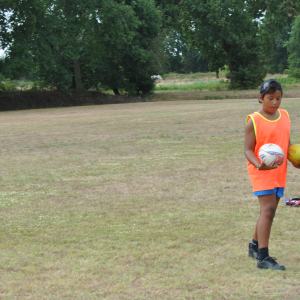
<point>271,155</point>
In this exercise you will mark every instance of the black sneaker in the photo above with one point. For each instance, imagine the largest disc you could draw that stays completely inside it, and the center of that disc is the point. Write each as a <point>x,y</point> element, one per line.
<point>253,251</point>
<point>270,263</point>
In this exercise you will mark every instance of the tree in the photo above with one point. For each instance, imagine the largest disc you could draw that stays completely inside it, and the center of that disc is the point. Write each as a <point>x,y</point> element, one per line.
<point>174,50</point>
<point>277,56</point>
<point>227,31</point>
<point>294,50</point>
<point>194,61</point>
<point>130,68</point>
<point>182,58</point>
<point>81,43</point>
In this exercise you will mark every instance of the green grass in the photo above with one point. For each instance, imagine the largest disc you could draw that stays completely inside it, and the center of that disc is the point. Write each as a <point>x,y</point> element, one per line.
<point>137,201</point>
<point>286,81</point>
<point>194,81</point>
<point>197,85</point>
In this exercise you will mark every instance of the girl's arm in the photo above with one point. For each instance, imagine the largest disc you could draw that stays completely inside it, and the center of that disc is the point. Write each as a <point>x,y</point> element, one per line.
<point>250,141</point>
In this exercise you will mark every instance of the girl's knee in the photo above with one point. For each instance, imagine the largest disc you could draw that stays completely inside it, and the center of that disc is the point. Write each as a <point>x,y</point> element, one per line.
<point>269,212</point>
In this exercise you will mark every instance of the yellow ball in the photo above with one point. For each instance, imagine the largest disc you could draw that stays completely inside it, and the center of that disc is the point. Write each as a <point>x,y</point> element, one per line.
<point>294,154</point>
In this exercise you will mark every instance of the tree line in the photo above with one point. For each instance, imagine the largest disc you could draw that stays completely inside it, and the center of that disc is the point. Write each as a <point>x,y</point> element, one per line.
<point>119,44</point>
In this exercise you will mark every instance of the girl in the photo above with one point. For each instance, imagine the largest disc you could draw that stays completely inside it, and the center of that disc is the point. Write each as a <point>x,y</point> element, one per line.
<point>269,125</point>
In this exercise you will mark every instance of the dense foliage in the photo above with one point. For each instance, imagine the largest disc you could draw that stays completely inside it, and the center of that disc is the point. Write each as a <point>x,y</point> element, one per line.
<point>276,56</point>
<point>84,43</point>
<point>232,33</point>
<point>294,50</point>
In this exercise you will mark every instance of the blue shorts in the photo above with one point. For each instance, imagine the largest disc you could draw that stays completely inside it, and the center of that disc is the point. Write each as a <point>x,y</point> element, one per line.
<point>278,191</point>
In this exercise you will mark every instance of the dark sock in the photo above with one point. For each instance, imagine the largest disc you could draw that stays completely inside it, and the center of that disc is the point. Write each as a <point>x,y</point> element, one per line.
<point>254,243</point>
<point>263,253</point>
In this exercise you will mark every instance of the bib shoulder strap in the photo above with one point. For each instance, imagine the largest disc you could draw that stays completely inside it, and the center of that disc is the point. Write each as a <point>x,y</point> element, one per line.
<point>251,116</point>
<point>253,121</point>
<point>283,111</point>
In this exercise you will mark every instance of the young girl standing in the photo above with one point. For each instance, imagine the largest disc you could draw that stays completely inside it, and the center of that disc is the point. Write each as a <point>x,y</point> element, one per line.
<point>269,125</point>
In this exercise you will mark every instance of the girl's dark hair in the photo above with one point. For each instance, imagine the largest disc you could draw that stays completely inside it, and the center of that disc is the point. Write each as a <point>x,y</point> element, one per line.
<point>269,87</point>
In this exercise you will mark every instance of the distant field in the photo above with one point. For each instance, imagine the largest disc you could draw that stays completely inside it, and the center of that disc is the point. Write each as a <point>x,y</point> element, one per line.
<point>203,86</point>
<point>137,201</point>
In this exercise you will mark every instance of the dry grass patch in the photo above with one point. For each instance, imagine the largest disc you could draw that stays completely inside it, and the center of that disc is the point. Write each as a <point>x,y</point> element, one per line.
<point>137,201</point>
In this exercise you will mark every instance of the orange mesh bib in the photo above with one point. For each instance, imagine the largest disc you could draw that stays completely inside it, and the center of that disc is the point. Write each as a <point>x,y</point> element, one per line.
<point>275,132</point>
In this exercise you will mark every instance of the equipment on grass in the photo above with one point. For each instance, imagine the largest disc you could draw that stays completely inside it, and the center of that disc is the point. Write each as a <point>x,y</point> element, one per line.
<point>271,155</point>
<point>294,154</point>
<point>292,201</point>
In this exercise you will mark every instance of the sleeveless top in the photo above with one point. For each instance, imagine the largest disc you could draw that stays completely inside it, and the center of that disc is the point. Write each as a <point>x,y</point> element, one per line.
<point>266,132</point>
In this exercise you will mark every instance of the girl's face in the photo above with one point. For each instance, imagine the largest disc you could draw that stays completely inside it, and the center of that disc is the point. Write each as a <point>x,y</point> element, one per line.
<point>271,102</point>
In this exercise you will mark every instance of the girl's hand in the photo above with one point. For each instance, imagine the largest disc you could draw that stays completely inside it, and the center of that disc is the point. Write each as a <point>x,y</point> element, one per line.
<point>263,167</point>
<point>296,166</point>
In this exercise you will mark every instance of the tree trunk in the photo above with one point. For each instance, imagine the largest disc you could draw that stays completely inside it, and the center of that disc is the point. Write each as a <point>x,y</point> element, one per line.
<point>116,91</point>
<point>231,75</point>
<point>77,73</point>
<point>227,49</point>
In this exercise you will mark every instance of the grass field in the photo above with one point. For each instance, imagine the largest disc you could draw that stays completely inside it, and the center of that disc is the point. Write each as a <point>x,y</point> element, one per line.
<point>138,201</point>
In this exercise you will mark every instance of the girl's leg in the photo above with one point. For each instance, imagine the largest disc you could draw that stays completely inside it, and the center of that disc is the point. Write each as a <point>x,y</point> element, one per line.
<point>277,201</point>
<point>268,206</point>
<point>255,231</point>
<point>255,236</point>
